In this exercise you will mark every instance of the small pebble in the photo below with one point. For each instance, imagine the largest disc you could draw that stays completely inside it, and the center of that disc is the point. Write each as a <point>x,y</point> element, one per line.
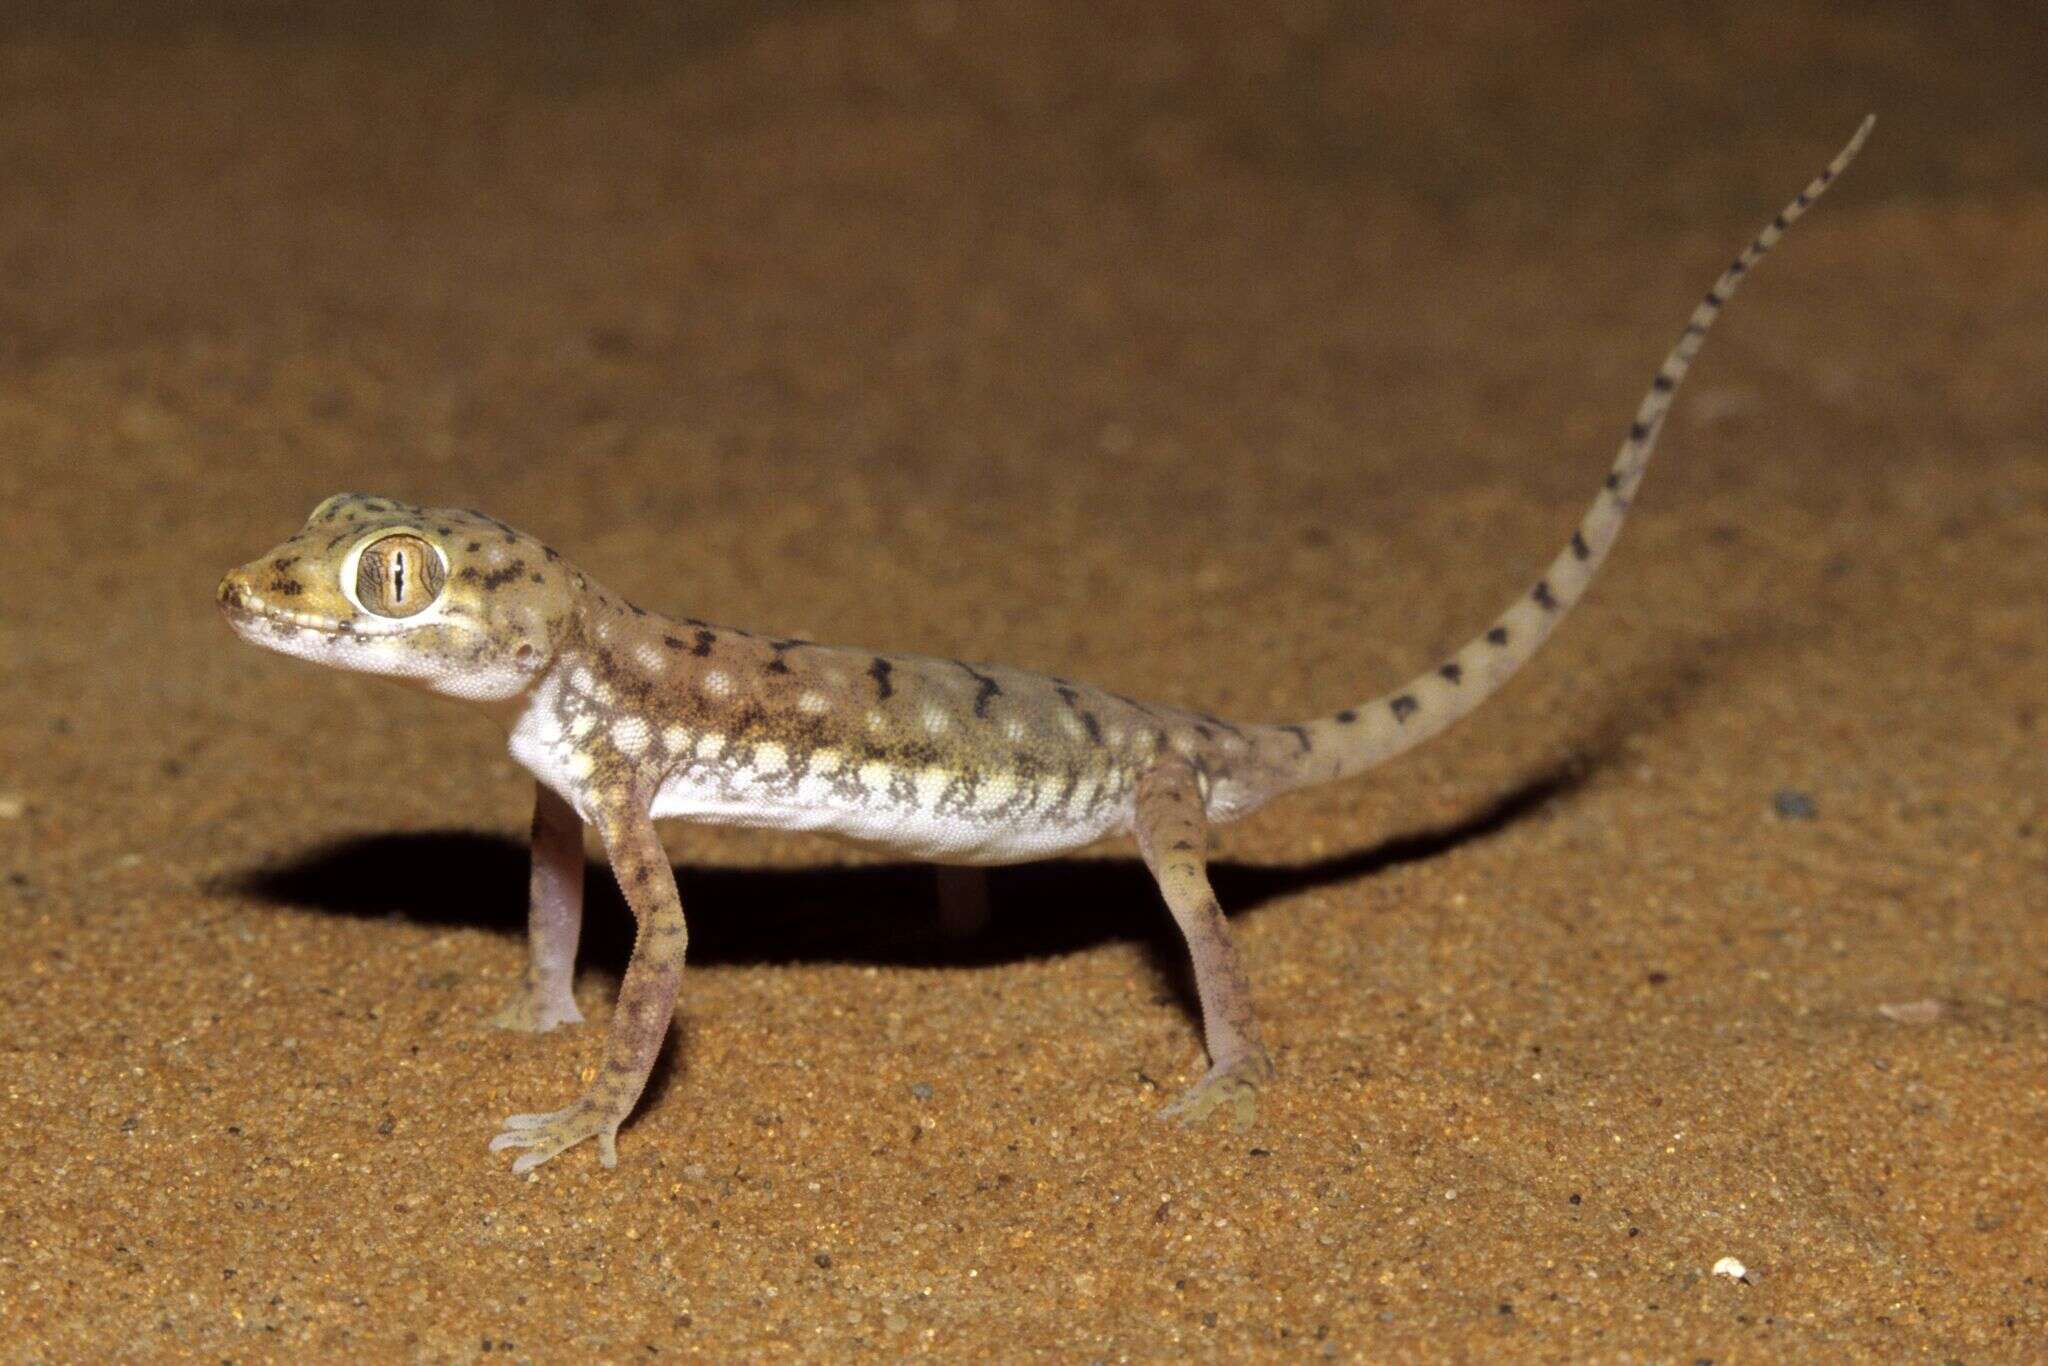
<point>1732,1269</point>
<point>12,806</point>
<point>1793,805</point>
<point>921,1090</point>
<point>1912,1012</point>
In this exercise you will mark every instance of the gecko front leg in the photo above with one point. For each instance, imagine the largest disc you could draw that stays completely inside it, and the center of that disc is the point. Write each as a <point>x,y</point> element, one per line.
<point>544,998</point>
<point>647,999</point>
<point>1173,836</point>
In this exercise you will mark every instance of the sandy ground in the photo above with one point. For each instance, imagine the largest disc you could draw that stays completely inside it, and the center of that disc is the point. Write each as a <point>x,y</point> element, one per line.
<point>1241,356</point>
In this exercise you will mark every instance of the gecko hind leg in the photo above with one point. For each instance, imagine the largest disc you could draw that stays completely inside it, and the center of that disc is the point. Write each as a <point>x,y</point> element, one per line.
<point>1173,836</point>
<point>545,997</point>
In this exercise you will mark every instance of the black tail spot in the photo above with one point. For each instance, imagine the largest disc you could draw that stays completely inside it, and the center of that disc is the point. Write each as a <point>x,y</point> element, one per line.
<point>879,671</point>
<point>1346,717</point>
<point>1404,707</point>
<point>1580,550</point>
<point>1452,672</point>
<point>1544,597</point>
<point>1497,636</point>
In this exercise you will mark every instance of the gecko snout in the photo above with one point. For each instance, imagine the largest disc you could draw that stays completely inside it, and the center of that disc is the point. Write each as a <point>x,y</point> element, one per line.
<point>233,594</point>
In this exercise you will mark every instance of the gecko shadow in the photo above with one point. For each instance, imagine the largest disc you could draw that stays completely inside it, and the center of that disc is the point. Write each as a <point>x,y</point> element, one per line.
<point>879,914</point>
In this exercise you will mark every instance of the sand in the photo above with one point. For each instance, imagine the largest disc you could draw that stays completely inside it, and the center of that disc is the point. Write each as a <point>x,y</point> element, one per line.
<point>1239,356</point>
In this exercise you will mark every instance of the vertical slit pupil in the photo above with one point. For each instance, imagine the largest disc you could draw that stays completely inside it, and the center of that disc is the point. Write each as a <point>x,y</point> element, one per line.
<point>398,576</point>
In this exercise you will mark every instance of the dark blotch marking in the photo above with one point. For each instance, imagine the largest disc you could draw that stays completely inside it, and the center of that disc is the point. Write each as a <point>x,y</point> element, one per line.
<point>1663,384</point>
<point>538,577</point>
<point>475,546</point>
<point>672,642</point>
<point>879,671</point>
<point>1497,636</point>
<point>1182,846</point>
<point>638,610</point>
<point>1544,597</point>
<point>1093,726</point>
<point>498,578</point>
<point>1452,672</point>
<point>1638,432</point>
<point>989,691</point>
<point>1221,724</point>
<point>289,588</point>
<point>1404,707</point>
<point>1346,716</point>
<point>1580,550</point>
<point>702,647</point>
<point>1300,733</point>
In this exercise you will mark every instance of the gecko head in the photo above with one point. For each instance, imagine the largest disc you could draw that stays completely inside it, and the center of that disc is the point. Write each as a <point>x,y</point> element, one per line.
<point>453,600</point>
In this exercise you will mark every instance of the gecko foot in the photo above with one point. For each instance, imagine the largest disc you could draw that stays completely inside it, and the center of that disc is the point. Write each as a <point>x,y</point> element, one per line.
<point>533,1012</point>
<point>545,1136</point>
<point>1234,1083</point>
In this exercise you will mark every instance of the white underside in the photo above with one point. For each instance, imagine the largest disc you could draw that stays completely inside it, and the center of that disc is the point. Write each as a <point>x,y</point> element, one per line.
<point>903,830</point>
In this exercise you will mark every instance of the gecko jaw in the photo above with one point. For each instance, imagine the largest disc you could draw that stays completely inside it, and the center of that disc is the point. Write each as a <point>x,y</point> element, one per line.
<point>251,616</point>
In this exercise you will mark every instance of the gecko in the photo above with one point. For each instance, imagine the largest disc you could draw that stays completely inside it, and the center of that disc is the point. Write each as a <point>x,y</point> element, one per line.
<point>625,717</point>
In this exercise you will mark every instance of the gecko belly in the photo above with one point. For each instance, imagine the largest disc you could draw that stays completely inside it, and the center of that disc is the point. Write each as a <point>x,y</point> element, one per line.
<point>893,820</point>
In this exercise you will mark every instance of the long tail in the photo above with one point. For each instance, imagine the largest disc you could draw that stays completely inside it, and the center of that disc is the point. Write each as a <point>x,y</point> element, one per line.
<point>1357,738</point>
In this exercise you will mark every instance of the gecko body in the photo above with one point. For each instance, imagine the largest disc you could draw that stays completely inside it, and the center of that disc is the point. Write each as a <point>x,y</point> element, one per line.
<point>624,717</point>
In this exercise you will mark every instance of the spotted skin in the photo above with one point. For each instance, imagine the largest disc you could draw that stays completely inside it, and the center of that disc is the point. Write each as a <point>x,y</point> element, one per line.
<point>625,717</point>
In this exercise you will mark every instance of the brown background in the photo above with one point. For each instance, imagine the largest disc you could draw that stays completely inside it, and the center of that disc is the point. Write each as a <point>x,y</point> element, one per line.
<point>1245,356</point>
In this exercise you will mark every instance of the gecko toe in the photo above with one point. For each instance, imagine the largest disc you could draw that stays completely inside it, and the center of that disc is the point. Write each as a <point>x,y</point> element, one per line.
<point>1232,1086</point>
<point>545,1136</point>
<point>529,1013</point>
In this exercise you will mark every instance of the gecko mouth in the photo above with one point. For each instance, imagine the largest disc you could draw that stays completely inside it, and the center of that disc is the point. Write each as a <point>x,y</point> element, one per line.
<point>245,611</point>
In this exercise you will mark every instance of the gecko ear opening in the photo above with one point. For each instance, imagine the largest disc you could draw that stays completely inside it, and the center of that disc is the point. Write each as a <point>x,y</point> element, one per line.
<point>399,575</point>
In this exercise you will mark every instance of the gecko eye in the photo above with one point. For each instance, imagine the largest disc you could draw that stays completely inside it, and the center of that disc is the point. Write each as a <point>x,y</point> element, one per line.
<point>399,575</point>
